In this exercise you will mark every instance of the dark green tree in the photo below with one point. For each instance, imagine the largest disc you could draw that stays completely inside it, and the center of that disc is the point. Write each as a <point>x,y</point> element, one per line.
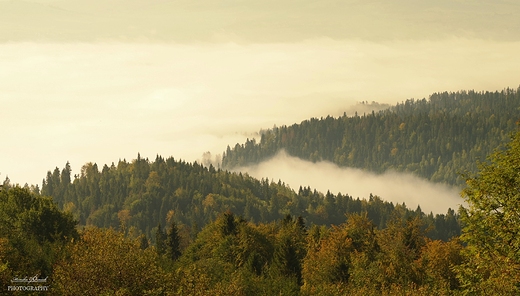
<point>160,241</point>
<point>173,241</point>
<point>290,249</point>
<point>33,231</point>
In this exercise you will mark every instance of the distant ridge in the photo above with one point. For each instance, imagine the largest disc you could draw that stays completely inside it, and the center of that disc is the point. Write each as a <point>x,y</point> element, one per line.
<point>437,138</point>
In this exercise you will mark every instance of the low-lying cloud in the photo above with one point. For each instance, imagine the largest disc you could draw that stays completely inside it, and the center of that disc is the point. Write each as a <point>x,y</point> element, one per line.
<point>391,186</point>
<point>101,102</point>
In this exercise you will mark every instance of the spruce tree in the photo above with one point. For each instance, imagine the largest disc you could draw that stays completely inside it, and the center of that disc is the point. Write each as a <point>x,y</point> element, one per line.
<point>173,242</point>
<point>160,241</point>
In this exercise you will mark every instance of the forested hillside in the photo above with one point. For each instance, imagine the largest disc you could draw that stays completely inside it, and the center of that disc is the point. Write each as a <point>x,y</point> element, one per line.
<point>168,227</point>
<point>436,138</point>
<point>40,250</point>
<point>142,194</point>
<point>232,256</point>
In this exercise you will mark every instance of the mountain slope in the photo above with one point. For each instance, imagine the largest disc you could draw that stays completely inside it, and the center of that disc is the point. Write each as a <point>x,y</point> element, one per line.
<point>437,139</point>
<point>140,195</point>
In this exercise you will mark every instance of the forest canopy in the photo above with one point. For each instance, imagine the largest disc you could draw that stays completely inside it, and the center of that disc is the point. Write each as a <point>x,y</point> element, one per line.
<point>438,138</point>
<point>138,196</point>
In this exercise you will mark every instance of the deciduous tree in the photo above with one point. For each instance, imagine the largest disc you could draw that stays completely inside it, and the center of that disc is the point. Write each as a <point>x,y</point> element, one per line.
<point>492,224</point>
<point>105,262</point>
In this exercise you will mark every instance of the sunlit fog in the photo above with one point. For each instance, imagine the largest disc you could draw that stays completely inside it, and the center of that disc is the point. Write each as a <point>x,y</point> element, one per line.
<point>103,102</point>
<point>106,88</point>
<point>392,186</point>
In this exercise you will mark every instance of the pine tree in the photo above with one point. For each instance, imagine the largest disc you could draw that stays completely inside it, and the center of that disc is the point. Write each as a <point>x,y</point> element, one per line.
<point>173,242</point>
<point>160,241</point>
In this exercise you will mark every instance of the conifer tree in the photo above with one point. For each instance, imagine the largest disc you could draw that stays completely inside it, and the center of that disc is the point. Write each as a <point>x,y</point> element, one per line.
<point>173,239</point>
<point>160,241</point>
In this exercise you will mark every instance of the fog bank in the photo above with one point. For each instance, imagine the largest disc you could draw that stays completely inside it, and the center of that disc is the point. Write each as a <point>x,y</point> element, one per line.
<point>102,102</point>
<point>391,186</point>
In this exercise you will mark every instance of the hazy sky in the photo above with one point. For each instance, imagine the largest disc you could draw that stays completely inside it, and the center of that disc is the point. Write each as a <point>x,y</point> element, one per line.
<point>98,81</point>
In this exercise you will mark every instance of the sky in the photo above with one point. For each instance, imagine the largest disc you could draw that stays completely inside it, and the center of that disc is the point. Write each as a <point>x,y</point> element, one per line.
<point>98,81</point>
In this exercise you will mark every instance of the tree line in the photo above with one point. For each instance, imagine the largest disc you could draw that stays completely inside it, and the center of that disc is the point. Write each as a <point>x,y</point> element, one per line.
<point>141,194</point>
<point>437,139</point>
<point>234,256</point>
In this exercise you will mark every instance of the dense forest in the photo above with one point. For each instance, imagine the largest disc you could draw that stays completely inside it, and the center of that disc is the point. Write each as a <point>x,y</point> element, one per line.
<point>229,256</point>
<point>437,139</point>
<point>287,256</point>
<point>142,194</point>
<point>169,227</point>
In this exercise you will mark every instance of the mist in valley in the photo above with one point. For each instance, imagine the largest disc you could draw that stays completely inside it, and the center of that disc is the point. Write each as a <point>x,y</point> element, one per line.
<point>391,186</point>
<point>105,102</point>
<point>106,80</point>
